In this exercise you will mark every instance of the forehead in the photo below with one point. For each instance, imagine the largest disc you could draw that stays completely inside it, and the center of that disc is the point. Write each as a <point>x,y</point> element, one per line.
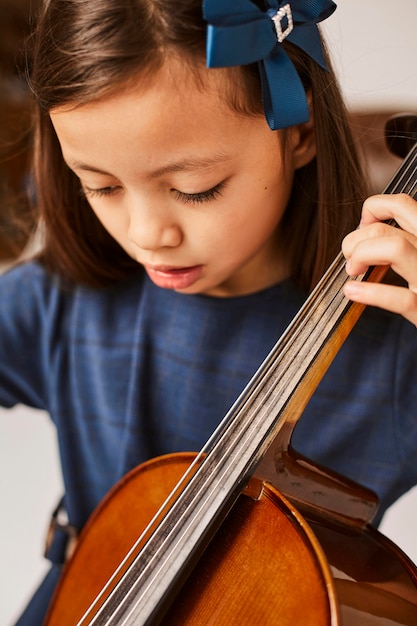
<point>178,76</point>
<point>176,109</point>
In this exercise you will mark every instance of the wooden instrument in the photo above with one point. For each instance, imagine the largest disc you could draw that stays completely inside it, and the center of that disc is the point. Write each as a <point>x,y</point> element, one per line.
<point>248,531</point>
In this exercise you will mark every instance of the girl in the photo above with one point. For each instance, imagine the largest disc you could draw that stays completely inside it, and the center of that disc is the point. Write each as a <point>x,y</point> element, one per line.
<point>195,175</point>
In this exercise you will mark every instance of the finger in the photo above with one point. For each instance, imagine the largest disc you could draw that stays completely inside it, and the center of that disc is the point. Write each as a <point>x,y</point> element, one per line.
<point>400,207</point>
<point>375,230</point>
<point>396,250</point>
<point>396,299</point>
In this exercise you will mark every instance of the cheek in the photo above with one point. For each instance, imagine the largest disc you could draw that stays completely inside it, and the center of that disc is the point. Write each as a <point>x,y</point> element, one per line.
<point>261,208</point>
<point>113,220</point>
<point>263,215</point>
<point>242,230</point>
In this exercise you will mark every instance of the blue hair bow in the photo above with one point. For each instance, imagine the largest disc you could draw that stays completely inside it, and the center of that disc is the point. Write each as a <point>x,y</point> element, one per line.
<point>240,33</point>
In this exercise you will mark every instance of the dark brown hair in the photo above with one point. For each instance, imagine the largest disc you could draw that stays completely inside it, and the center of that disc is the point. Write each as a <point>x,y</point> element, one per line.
<point>85,49</point>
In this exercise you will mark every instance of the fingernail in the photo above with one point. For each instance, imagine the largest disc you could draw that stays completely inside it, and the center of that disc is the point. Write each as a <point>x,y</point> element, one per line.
<point>351,289</point>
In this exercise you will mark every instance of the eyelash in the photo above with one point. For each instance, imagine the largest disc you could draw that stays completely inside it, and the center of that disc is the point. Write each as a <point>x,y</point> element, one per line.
<point>203,196</point>
<point>99,193</point>
<point>186,198</point>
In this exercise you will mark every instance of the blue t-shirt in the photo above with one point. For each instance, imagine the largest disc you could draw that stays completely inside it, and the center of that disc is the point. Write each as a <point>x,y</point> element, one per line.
<point>134,371</point>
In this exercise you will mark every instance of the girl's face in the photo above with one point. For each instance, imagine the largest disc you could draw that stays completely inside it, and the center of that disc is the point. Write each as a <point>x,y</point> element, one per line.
<point>189,188</point>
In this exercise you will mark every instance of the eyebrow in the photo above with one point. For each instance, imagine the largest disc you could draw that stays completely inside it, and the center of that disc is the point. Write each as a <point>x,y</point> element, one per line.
<point>188,164</point>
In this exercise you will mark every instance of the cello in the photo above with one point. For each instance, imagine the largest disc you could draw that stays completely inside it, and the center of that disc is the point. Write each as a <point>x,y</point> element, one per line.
<point>248,531</point>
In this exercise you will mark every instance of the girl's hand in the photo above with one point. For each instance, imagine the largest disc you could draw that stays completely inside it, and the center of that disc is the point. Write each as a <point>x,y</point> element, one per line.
<point>376,243</point>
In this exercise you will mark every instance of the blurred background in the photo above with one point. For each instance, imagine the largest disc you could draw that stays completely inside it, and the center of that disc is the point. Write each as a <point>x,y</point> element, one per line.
<point>374,50</point>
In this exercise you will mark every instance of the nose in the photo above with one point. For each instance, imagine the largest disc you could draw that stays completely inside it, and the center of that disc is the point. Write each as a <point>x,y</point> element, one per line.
<point>153,227</point>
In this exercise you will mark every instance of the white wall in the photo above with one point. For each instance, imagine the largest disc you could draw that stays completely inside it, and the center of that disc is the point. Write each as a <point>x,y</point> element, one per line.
<point>375,50</point>
<point>30,486</point>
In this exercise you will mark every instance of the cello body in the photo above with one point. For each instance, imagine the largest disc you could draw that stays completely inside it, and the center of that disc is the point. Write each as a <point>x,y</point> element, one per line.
<point>267,564</point>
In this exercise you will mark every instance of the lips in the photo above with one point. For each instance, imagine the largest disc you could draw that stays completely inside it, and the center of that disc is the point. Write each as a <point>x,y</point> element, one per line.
<point>174,277</point>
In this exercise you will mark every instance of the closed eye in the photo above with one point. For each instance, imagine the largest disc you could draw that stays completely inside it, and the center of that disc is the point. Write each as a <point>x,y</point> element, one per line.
<point>100,192</point>
<point>187,198</point>
<point>202,196</point>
